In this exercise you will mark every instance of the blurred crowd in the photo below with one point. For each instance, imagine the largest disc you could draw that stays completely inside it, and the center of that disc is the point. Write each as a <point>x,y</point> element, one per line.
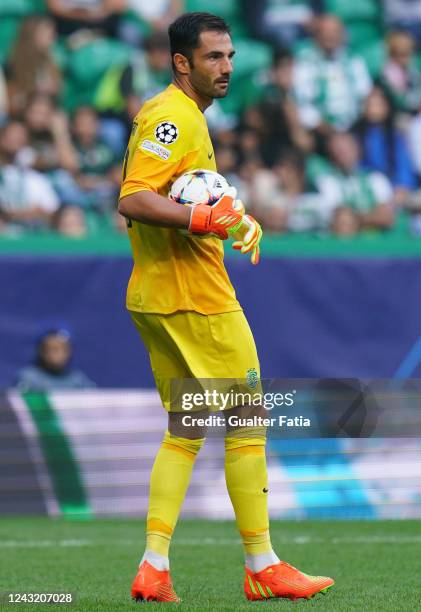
<point>321,131</point>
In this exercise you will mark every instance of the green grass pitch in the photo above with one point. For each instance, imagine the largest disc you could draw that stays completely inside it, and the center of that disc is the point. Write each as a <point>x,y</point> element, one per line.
<point>376,565</point>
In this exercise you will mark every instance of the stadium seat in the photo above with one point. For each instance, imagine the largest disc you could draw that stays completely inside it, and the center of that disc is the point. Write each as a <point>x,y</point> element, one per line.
<point>251,58</point>
<point>16,8</point>
<point>38,7</point>
<point>362,19</point>
<point>11,15</point>
<point>372,51</point>
<point>374,54</point>
<point>230,10</point>
<point>362,34</point>
<point>316,166</point>
<point>8,30</point>
<point>133,28</point>
<point>357,10</point>
<point>87,66</point>
<point>89,63</point>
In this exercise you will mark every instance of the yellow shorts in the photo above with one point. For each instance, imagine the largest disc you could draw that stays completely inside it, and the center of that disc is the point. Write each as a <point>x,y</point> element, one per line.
<point>189,345</point>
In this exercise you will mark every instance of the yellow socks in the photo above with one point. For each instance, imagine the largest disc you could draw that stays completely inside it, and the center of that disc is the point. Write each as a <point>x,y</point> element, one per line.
<point>246,478</point>
<point>247,484</point>
<point>170,479</point>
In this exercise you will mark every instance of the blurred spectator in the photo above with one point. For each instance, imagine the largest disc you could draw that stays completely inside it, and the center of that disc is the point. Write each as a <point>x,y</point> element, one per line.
<point>125,87</point>
<point>276,117</point>
<point>227,163</point>
<point>49,136</point>
<point>283,201</point>
<point>249,142</point>
<point>279,22</point>
<point>414,142</point>
<point>52,369</point>
<point>219,121</point>
<point>26,197</point>
<point>73,16</point>
<point>99,172</point>
<point>384,147</point>
<point>70,222</point>
<point>403,15</point>
<point>246,172</point>
<point>147,74</point>
<point>52,152</point>
<point>4,104</point>
<point>226,137</point>
<point>325,89</point>
<point>400,75</point>
<point>359,199</point>
<point>330,83</point>
<point>119,223</point>
<point>158,13</point>
<point>32,68</point>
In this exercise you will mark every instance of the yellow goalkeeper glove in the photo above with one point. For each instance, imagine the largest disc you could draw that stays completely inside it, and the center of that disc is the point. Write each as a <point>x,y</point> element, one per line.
<point>247,238</point>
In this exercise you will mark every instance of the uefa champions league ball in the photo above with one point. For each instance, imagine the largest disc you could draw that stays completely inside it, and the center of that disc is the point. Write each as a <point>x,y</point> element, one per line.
<point>198,187</point>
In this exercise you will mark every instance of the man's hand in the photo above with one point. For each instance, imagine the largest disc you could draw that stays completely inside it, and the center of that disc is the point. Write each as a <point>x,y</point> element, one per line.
<point>221,219</point>
<point>247,238</point>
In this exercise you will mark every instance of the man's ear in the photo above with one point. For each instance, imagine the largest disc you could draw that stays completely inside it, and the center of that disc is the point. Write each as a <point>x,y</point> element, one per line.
<point>181,63</point>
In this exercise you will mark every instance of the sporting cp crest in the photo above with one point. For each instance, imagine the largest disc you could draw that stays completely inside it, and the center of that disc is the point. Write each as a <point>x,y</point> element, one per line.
<point>252,378</point>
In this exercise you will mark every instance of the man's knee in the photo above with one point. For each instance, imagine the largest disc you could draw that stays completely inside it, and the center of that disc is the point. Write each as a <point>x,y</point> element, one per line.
<point>244,426</point>
<point>190,430</point>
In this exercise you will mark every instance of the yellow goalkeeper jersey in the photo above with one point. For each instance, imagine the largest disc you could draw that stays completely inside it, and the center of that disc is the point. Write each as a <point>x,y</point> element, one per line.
<point>172,271</point>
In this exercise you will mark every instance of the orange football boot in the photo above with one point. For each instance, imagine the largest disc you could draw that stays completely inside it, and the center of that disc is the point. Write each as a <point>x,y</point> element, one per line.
<point>283,580</point>
<point>151,584</point>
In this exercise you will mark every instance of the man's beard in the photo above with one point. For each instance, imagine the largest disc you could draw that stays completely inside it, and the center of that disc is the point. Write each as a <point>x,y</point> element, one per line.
<point>218,93</point>
<point>222,94</point>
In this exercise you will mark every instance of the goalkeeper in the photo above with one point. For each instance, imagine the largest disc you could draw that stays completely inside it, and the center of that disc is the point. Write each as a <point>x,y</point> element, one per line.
<point>185,309</point>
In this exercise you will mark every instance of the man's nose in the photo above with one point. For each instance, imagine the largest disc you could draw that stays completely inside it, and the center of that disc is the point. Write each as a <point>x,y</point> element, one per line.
<point>227,67</point>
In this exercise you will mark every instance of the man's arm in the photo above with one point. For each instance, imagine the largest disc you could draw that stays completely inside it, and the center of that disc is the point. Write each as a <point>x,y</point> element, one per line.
<point>381,217</point>
<point>153,209</point>
<point>144,175</point>
<point>66,152</point>
<point>27,215</point>
<point>306,94</point>
<point>223,219</point>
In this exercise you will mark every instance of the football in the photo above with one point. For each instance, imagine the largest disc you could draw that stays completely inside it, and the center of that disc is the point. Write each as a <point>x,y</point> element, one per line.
<point>198,187</point>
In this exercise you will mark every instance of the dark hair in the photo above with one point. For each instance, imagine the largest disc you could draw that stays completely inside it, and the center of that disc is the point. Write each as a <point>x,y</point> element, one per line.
<point>42,340</point>
<point>292,157</point>
<point>54,330</point>
<point>83,109</point>
<point>361,128</point>
<point>156,40</point>
<point>280,55</point>
<point>11,122</point>
<point>35,97</point>
<point>184,32</point>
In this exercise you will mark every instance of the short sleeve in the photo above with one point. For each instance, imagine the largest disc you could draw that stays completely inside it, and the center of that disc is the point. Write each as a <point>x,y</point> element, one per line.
<point>382,188</point>
<point>330,189</point>
<point>160,149</point>
<point>41,192</point>
<point>168,138</point>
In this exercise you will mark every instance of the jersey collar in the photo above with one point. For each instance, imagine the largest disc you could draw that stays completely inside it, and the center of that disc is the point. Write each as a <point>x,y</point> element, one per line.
<point>185,97</point>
